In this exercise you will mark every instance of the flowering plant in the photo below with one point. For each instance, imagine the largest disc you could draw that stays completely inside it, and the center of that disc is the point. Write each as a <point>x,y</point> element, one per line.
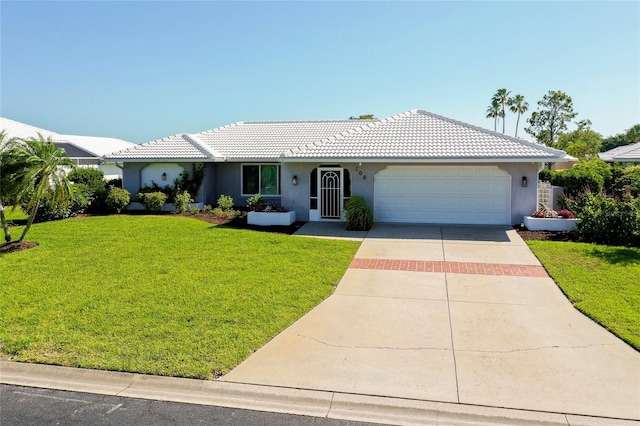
<point>566,214</point>
<point>545,214</point>
<point>552,214</point>
<point>268,208</point>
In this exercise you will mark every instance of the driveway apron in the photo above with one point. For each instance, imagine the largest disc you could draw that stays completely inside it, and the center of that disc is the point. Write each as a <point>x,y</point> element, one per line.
<point>454,314</point>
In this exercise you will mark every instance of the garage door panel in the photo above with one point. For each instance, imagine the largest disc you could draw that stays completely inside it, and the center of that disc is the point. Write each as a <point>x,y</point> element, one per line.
<point>443,194</point>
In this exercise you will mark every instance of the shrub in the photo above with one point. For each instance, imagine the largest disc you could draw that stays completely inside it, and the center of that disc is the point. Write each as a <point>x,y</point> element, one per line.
<point>48,211</point>
<point>576,181</point>
<point>594,175</point>
<point>629,180</point>
<point>167,190</point>
<point>93,178</point>
<point>359,216</point>
<point>153,201</point>
<point>207,208</point>
<point>182,201</point>
<point>225,202</point>
<point>117,182</point>
<point>117,199</point>
<point>256,203</point>
<point>225,214</point>
<point>606,219</point>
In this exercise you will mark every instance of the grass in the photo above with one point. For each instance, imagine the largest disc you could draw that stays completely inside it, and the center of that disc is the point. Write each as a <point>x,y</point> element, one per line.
<point>15,214</point>
<point>162,295</point>
<point>603,282</point>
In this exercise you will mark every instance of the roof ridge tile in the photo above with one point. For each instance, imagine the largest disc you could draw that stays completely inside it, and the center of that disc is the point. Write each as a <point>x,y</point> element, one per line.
<point>202,146</point>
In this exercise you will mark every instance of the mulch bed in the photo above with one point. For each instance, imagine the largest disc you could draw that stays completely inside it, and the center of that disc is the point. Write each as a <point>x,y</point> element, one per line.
<point>241,223</point>
<point>16,246</point>
<point>527,235</point>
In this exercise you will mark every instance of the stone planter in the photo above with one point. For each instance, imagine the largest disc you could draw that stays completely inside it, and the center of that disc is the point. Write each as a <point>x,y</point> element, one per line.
<point>549,224</point>
<point>271,218</point>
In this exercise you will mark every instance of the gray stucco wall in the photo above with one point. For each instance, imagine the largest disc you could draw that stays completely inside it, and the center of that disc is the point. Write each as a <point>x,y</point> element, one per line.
<point>523,199</point>
<point>225,178</point>
<point>131,177</point>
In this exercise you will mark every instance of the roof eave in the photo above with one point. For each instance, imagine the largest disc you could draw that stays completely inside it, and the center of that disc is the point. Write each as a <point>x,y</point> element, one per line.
<point>164,160</point>
<point>429,160</point>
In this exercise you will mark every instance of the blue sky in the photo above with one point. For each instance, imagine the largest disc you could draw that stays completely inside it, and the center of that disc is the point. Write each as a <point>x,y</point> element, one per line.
<point>145,70</point>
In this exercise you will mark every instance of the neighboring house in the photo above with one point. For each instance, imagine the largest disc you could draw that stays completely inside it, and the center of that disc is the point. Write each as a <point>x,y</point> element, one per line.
<point>622,154</point>
<point>85,151</point>
<point>413,167</point>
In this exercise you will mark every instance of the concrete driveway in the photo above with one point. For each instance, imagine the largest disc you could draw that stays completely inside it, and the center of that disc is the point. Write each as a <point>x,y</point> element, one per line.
<point>452,314</point>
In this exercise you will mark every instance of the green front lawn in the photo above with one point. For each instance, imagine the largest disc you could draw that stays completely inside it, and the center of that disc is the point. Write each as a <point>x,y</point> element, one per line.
<point>601,281</point>
<point>15,214</point>
<point>163,295</point>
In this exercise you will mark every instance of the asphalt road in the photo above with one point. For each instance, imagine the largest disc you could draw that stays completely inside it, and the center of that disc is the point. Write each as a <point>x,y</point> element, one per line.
<point>33,406</point>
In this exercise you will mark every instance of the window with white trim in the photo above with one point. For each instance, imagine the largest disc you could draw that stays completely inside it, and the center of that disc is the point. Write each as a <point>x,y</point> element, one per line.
<point>261,178</point>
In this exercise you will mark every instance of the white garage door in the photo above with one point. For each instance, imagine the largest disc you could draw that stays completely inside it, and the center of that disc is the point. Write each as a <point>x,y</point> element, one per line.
<point>443,194</point>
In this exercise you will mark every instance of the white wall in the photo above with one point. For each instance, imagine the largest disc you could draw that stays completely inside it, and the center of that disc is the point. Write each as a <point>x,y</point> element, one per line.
<point>153,173</point>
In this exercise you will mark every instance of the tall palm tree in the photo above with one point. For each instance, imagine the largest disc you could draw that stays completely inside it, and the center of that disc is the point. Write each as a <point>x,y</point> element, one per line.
<point>518,105</point>
<point>44,175</point>
<point>502,98</point>
<point>493,111</point>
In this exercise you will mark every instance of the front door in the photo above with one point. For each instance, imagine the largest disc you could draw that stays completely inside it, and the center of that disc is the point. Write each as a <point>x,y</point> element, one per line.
<point>330,192</point>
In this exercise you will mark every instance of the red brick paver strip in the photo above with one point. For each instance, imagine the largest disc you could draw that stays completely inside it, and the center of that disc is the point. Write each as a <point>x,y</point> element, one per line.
<point>450,267</point>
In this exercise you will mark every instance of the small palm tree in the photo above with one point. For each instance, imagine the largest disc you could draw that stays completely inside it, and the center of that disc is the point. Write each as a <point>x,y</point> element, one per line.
<point>518,105</point>
<point>44,175</point>
<point>502,98</point>
<point>493,111</point>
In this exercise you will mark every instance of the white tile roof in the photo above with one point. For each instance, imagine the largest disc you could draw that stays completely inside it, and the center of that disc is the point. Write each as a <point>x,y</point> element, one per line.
<point>625,153</point>
<point>256,140</point>
<point>419,134</point>
<point>415,135</point>
<point>15,129</point>
<point>95,145</point>
<point>173,147</point>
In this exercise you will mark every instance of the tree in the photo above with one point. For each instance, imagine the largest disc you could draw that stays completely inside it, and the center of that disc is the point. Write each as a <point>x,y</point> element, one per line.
<point>502,98</point>
<point>519,106</point>
<point>628,137</point>
<point>6,179</point>
<point>555,110</point>
<point>363,117</point>
<point>493,111</point>
<point>582,143</point>
<point>44,175</point>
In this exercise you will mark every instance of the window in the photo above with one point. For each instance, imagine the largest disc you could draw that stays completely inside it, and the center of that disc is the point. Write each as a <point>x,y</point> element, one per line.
<point>261,178</point>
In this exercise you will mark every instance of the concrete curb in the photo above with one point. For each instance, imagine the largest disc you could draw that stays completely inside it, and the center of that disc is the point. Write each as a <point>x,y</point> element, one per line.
<point>333,405</point>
